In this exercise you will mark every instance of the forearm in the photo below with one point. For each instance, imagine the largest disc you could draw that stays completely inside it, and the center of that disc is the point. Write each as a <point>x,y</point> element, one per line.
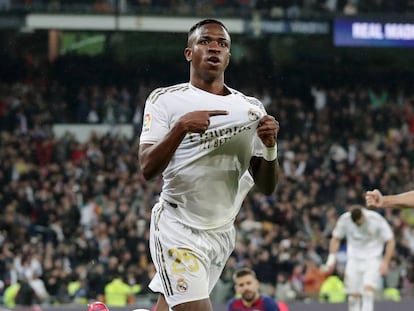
<point>405,199</point>
<point>389,251</point>
<point>333,248</point>
<point>153,159</point>
<point>265,174</point>
<point>334,245</point>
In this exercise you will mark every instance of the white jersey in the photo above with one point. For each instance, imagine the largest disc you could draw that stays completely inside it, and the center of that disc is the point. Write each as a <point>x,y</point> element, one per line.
<point>365,241</point>
<point>208,175</point>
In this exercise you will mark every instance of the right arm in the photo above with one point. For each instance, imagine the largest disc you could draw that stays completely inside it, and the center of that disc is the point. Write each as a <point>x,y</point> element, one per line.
<point>154,158</point>
<point>376,199</point>
<point>329,266</point>
<point>334,245</point>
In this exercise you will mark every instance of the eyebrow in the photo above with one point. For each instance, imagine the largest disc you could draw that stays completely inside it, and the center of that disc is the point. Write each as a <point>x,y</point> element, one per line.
<point>210,37</point>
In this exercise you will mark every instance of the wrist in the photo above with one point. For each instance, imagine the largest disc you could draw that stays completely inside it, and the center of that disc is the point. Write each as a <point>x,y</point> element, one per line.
<point>270,153</point>
<point>331,260</point>
<point>181,128</point>
<point>385,201</point>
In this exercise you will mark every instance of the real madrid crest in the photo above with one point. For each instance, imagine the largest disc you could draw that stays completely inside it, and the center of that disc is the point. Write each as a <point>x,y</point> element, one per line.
<point>182,285</point>
<point>254,115</point>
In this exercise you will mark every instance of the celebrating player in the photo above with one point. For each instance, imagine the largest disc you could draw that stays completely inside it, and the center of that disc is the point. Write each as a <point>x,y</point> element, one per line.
<point>211,143</point>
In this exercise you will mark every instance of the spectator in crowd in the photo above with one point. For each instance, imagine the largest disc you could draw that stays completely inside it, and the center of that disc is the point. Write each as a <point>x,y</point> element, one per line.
<point>284,290</point>
<point>26,298</point>
<point>313,279</point>
<point>10,293</point>
<point>118,293</point>
<point>332,290</point>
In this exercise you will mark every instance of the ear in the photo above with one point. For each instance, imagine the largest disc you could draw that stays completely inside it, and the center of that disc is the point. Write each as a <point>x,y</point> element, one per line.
<point>188,53</point>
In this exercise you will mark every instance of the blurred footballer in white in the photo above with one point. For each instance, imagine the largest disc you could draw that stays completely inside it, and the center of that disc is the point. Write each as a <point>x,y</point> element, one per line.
<point>366,232</point>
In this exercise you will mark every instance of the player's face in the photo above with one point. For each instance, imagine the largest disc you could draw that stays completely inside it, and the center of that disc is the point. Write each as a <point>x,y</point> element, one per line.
<point>209,51</point>
<point>248,287</point>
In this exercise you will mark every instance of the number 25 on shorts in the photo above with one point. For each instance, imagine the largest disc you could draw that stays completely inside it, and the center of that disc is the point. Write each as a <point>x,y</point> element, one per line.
<point>184,260</point>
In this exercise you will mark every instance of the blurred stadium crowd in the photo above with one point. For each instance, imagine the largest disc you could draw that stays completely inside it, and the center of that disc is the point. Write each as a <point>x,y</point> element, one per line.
<point>266,8</point>
<point>74,215</point>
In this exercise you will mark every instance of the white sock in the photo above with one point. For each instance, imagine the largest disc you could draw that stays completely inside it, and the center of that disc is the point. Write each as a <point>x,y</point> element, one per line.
<point>367,300</point>
<point>354,303</point>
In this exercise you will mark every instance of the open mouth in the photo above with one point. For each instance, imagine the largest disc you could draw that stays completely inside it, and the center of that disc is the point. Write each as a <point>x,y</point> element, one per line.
<point>213,60</point>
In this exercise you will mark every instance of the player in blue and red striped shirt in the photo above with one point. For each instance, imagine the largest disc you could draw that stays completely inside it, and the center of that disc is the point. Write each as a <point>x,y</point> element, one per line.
<point>248,298</point>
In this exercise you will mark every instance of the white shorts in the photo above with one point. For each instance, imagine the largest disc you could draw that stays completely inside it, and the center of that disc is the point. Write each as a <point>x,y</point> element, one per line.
<point>188,261</point>
<point>361,273</point>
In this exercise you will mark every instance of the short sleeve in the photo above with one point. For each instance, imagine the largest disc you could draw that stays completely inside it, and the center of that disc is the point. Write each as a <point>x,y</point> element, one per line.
<point>340,230</point>
<point>258,146</point>
<point>155,123</point>
<point>386,231</point>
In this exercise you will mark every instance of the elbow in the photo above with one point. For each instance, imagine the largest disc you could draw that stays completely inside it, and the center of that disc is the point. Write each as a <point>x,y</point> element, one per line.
<point>147,176</point>
<point>145,168</point>
<point>271,187</point>
<point>147,172</point>
<point>268,189</point>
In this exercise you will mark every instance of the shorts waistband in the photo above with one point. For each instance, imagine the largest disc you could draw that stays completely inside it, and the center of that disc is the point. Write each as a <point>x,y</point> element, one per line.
<point>171,207</point>
<point>170,204</point>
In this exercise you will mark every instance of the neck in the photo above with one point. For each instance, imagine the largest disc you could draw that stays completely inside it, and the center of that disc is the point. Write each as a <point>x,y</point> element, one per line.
<point>251,302</point>
<point>211,88</point>
<point>215,86</point>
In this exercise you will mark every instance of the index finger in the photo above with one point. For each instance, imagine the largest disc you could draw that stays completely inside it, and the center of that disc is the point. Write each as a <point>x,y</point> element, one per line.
<point>213,113</point>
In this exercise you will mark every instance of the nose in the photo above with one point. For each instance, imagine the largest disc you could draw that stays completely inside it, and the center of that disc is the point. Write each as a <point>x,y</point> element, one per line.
<point>213,45</point>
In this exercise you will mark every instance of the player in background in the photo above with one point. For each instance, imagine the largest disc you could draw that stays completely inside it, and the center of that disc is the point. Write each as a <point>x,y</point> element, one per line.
<point>211,144</point>
<point>366,233</point>
<point>248,297</point>
<point>375,198</point>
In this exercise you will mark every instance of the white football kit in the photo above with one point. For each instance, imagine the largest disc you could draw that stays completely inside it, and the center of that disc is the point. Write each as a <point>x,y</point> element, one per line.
<point>365,246</point>
<point>192,233</point>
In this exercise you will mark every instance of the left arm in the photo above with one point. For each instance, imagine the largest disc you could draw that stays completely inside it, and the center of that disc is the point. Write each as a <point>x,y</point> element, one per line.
<point>389,251</point>
<point>266,170</point>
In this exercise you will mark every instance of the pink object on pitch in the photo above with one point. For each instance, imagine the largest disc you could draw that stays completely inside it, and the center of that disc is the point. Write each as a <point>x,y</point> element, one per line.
<point>97,306</point>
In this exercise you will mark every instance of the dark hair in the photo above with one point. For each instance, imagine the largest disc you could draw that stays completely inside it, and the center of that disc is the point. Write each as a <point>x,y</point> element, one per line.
<point>205,22</point>
<point>243,272</point>
<point>356,213</point>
